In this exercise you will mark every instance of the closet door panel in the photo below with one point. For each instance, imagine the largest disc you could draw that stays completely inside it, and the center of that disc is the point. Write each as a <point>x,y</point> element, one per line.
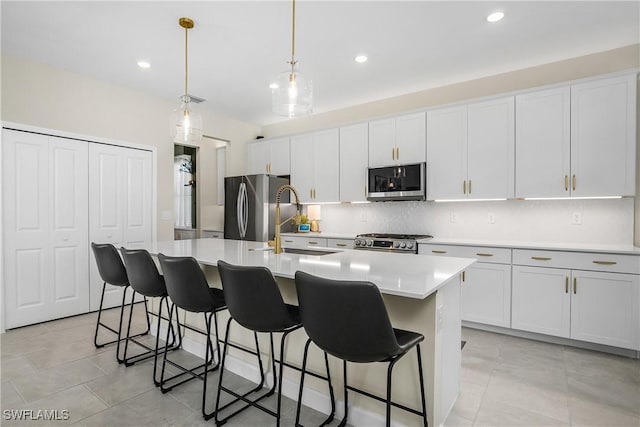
<point>69,213</point>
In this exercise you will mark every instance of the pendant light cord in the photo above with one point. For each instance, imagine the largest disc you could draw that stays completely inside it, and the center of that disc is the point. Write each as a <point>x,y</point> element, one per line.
<point>186,62</point>
<point>293,34</point>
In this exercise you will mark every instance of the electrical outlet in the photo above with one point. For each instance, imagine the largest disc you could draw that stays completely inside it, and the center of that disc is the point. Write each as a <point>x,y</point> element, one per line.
<point>491,218</point>
<point>576,218</point>
<point>454,217</point>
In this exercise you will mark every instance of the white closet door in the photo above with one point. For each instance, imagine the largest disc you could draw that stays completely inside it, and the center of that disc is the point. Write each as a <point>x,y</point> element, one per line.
<point>69,227</point>
<point>137,193</point>
<point>26,227</point>
<point>106,213</point>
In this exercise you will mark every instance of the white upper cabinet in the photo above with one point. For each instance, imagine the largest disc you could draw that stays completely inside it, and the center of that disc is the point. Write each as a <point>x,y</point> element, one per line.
<point>269,156</point>
<point>603,137</point>
<point>397,140</point>
<point>353,162</point>
<point>491,149</point>
<point>315,166</point>
<point>470,151</point>
<point>447,153</point>
<point>543,143</point>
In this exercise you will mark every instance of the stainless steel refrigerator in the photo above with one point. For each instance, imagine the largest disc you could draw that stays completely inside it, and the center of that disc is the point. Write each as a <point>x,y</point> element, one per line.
<point>250,207</point>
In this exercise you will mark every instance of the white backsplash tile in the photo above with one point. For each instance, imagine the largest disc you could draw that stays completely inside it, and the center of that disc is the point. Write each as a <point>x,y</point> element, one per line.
<point>607,221</point>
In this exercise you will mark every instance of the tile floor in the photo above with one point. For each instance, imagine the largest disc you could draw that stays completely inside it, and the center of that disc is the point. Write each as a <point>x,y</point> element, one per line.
<point>506,381</point>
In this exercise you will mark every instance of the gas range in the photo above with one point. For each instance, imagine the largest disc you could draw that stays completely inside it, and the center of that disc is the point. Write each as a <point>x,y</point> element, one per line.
<point>401,243</point>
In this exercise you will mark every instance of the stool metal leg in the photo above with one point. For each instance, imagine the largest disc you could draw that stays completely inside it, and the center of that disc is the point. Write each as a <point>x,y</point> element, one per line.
<point>422,396</point>
<point>302,375</point>
<point>208,358</point>
<point>389,376</point>
<point>346,396</point>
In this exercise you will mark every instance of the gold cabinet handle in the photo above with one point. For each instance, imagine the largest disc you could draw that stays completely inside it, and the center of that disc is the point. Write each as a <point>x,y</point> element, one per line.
<point>605,262</point>
<point>314,193</point>
<point>483,254</point>
<point>463,276</point>
<point>438,252</point>
<point>566,183</point>
<point>566,285</point>
<point>397,153</point>
<point>393,153</point>
<point>288,241</point>
<point>310,193</point>
<point>575,285</point>
<point>313,243</point>
<point>464,187</point>
<point>342,245</point>
<point>266,167</point>
<point>573,183</point>
<point>269,167</point>
<point>541,258</point>
<point>469,186</point>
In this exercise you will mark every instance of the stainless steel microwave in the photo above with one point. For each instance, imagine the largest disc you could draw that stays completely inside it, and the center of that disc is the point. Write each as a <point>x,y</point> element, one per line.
<point>400,182</point>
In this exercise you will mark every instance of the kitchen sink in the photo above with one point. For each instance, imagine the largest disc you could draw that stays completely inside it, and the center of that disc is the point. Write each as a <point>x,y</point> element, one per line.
<point>307,251</point>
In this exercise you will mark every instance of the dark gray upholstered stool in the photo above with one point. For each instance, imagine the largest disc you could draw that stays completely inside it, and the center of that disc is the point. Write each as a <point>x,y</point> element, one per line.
<point>113,272</point>
<point>255,302</point>
<point>188,289</point>
<point>145,280</point>
<point>348,320</point>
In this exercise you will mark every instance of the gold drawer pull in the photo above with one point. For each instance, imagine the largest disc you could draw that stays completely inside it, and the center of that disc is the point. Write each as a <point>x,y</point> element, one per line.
<point>575,285</point>
<point>541,258</point>
<point>463,276</point>
<point>342,245</point>
<point>288,241</point>
<point>483,254</point>
<point>469,186</point>
<point>464,187</point>
<point>439,252</point>
<point>605,262</point>
<point>573,182</point>
<point>566,285</point>
<point>313,243</point>
<point>566,183</point>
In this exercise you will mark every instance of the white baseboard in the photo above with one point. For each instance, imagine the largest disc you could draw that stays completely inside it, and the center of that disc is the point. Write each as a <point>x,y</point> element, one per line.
<point>311,398</point>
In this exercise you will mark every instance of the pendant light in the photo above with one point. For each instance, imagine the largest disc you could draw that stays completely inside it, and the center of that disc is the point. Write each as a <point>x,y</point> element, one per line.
<point>186,124</point>
<point>292,92</point>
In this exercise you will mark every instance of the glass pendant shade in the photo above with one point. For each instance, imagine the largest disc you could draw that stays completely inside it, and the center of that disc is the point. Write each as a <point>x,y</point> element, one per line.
<point>186,124</point>
<point>293,95</point>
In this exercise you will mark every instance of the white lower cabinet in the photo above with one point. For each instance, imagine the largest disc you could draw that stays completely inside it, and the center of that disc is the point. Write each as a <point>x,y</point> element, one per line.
<point>303,242</point>
<point>486,286</point>
<point>594,306</point>
<point>486,294</point>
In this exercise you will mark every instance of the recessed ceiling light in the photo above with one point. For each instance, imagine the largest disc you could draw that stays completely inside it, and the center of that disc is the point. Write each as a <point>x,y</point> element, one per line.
<point>144,64</point>
<point>273,86</point>
<point>361,58</point>
<point>495,17</point>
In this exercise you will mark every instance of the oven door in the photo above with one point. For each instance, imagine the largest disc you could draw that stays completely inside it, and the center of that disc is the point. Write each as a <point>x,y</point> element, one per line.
<point>401,182</point>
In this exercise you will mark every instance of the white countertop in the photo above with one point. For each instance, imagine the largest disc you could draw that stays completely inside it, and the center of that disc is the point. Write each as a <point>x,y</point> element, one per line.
<point>407,275</point>
<point>571,247</point>
<point>323,235</point>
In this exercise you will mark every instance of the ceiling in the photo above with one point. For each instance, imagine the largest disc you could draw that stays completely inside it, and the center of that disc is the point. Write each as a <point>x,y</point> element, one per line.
<point>238,47</point>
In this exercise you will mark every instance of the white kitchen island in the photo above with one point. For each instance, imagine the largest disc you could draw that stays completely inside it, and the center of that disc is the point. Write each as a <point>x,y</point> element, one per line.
<point>421,293</point>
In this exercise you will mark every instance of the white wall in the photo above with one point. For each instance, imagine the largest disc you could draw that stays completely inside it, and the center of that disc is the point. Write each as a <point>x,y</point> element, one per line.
<point>607,221</point>
<point>38,95</point>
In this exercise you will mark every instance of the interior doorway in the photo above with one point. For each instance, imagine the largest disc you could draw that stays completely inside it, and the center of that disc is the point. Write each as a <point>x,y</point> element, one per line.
<point>185,192</point>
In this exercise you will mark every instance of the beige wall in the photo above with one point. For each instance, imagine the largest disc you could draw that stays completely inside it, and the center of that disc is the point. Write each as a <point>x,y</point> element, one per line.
<point>571,69</point>
<point>38,95</point>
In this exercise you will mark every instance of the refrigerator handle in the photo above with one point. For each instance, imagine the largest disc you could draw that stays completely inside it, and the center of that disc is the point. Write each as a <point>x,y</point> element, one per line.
<point>239,210</point>
<point>245,210</point>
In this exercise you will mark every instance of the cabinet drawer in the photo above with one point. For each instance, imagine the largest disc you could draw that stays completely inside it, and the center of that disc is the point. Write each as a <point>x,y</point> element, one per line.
<point>578,260</point>
<point>208,234</point>
<point>303,242</point>
<point>482,254</point>
<point>340,243</point>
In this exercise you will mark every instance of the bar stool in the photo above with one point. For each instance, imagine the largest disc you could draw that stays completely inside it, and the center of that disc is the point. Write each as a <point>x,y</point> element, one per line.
<point>349,321</point>
<point>145,280</point>
<point>112,271</point>
<point>188,289</point>
<point>255,302</point>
